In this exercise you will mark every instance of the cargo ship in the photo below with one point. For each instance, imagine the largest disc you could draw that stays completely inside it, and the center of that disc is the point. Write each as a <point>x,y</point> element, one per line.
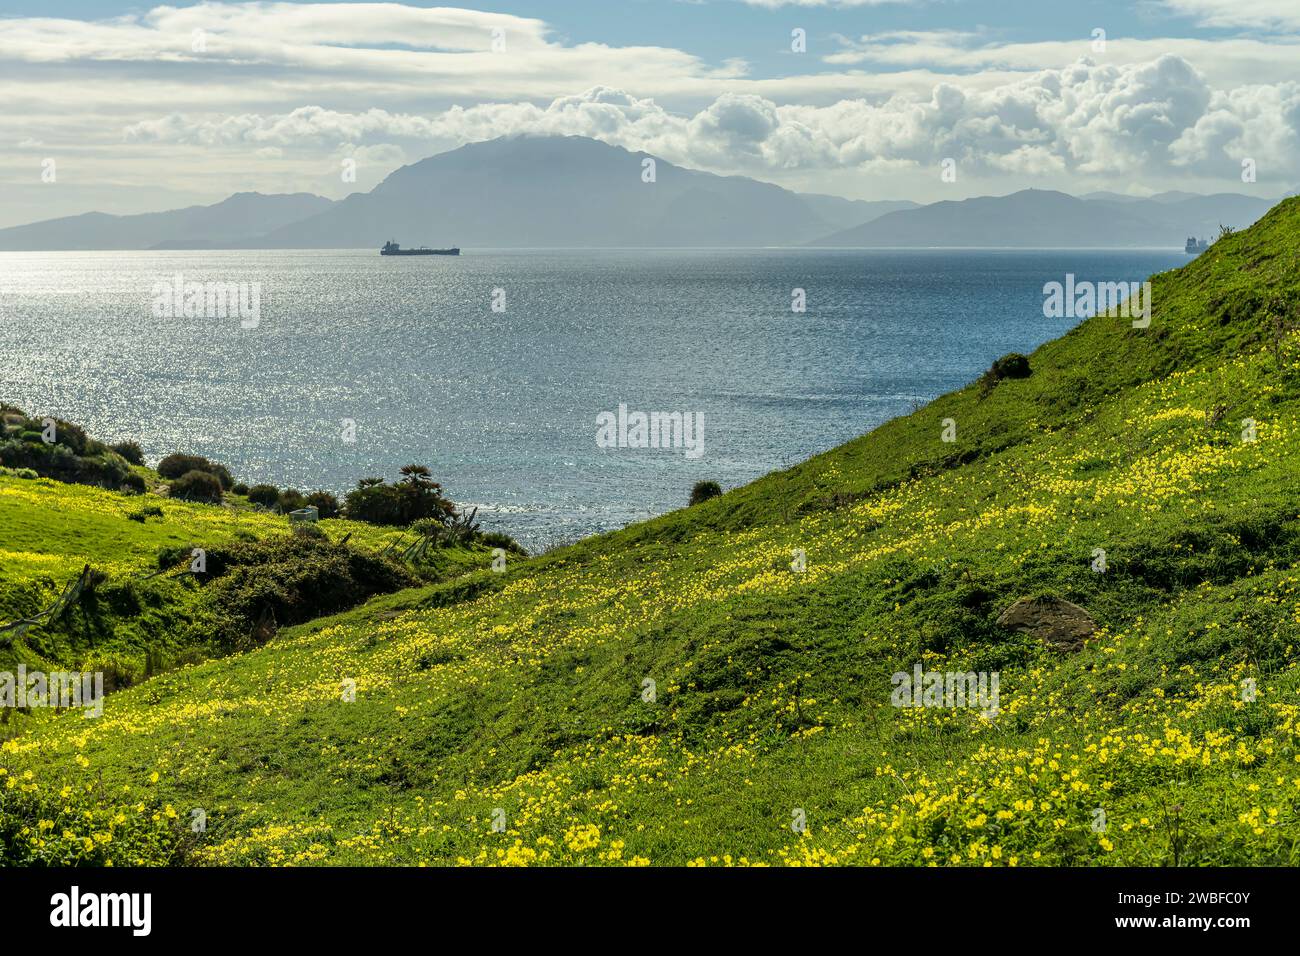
<point>1195,247</point>
<point>393,249</point>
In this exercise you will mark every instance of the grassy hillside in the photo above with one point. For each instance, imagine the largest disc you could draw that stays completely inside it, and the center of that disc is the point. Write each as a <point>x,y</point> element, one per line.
<point>145,612</point>
<point>521,698</point>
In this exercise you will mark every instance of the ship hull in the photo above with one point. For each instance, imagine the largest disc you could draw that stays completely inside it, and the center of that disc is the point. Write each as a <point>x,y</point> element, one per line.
<point>421,252</point>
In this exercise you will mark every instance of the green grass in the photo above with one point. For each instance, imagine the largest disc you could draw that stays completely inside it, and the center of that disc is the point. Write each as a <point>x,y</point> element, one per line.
<point>520,695</point>
<point>52,530</point>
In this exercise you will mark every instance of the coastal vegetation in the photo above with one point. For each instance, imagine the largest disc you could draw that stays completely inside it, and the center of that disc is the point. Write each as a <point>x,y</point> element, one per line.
<point>713,687</point>
<point>704,490</point>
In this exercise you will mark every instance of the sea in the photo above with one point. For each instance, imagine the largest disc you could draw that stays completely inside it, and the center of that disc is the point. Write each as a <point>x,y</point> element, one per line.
<point>497,369</point>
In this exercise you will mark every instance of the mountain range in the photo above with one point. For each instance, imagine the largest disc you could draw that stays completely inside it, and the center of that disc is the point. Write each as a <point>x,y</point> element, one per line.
<point>558,191</point>
<point>1037,218</point>
<point>240,216</point>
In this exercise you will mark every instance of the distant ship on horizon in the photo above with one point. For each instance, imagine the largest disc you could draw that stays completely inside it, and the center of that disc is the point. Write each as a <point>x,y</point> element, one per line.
<point>393,249</point>
<point>1196,247</point>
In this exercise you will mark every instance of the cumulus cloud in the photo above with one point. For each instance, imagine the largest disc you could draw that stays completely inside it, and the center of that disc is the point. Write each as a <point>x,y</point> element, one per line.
<point>201,97</point>
<point>1258,122</point>
<point>1088,117</point>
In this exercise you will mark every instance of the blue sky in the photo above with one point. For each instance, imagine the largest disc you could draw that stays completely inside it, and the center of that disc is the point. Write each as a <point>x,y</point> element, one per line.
<point>726,28</point>
<point>136,116</point>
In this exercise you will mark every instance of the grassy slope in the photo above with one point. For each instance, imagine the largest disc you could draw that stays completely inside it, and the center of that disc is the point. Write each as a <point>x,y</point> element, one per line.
<point>51,530</point>
<point>523,692</point>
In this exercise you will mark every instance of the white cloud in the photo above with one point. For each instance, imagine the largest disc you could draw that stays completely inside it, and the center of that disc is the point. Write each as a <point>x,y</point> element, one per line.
<point>447,50</point>
<point>1088,117</point>
<point>253,32</point>
<point>1259,122</point>
<point>1223,61</point>
<point>1252,14</point>
<point>277,93</point>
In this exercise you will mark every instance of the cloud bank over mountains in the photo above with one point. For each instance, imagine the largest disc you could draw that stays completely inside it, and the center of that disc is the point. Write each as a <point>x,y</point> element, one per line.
<point>1088,117</point>
<point>275,96</point>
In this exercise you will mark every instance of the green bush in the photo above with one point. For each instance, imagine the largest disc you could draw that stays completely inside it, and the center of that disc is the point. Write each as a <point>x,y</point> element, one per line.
<point>169,556</point>
<point>66,434</point>
<point>133,482</point>
<point>60,461</point>
<point>266,495</point>
<point>1011,365</point>
<point>295,578</point>
<point>129,450</point>
<point>149,511</point>
<point>197,486</point>
<point>414,497</point>
<point>291,499</point>
<point>174,466</point>
<point>326,505</point>
<point>704,490</point>
<point>240,488</point>
<point>499,539</point>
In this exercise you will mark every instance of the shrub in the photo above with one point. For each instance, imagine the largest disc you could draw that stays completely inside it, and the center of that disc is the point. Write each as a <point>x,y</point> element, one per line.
<point>149,511</point>
<point>240,489</point>
<point>414,497</point>
<point>499,539</point>
<point>266,495</point>
<point>295,578</point>
<point>11,416</point>
<point>291,499</point>
<point>704,490</point>
<point>327,506</point>
<point>130,450</point>
<point>133,482</point>
<point>197,486</point>
<point>169,556</point>
<point>67,434</point>
<point>60,462</point>
<point>1011,365</point>
<point>174,466</point>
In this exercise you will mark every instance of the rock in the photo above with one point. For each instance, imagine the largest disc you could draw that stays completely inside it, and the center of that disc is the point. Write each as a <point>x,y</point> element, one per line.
<point>1060,625</point>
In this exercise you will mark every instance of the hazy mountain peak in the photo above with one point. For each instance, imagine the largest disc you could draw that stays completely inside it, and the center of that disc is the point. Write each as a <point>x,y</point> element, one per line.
<point>1044,218</point>
<point>533,189</point>
<point>239,216</point>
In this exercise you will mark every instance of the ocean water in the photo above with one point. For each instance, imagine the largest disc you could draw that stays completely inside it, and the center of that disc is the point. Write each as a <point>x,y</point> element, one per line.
<point>503,405</point>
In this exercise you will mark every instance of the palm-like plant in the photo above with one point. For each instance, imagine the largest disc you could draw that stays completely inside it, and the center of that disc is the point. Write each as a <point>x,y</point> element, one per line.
<point>417,475</point>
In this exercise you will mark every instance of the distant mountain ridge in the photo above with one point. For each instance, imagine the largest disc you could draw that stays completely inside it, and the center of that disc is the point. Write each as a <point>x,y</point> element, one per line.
<point>240,216</point>
<point>572,191</point>
<point>568,191</point>
<point>1037,218</point>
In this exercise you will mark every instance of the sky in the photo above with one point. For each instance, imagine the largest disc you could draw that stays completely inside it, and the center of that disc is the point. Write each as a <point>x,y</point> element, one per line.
<point>128,108</point>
